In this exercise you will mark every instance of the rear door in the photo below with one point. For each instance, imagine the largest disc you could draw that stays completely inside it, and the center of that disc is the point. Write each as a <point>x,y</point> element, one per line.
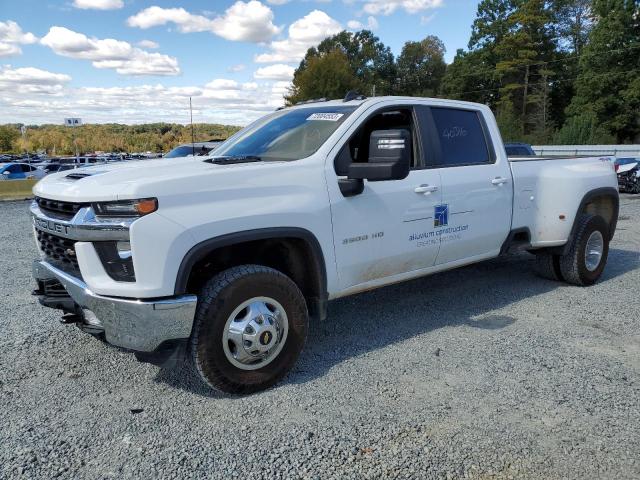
<point>474,218</point>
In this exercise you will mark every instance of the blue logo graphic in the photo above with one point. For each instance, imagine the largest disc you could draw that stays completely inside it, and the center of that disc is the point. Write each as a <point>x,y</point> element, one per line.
<point>441,216</point>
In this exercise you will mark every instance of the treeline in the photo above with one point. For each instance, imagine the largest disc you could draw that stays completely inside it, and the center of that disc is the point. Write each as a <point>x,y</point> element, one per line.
<point>153,137</point>
<point>557,71</point>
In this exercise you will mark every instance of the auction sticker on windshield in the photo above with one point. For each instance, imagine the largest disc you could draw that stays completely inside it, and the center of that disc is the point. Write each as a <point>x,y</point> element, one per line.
<point>330,117</point>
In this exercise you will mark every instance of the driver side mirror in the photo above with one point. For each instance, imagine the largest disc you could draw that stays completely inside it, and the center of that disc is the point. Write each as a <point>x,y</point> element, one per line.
<point>389,157</point>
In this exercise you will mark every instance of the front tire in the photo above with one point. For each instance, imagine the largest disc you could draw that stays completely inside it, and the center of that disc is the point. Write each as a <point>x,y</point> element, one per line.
<point>584,262</point>
<point>249,329</point>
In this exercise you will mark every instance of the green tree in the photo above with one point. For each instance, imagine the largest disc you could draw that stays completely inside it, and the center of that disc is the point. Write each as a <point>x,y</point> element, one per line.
<point>583,130</point>
<point>574,20</point>
<point>371,62</point>
<point>524,54</point>
<point>421,67</point>
<point>471,77</point>
<point>9,135</point>
<point>608,85</point>
<point>326,76</point>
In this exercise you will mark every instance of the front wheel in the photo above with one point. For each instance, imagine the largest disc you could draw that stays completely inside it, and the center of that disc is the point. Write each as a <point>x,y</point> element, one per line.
<point>584,262</point>
<point>250,327</point>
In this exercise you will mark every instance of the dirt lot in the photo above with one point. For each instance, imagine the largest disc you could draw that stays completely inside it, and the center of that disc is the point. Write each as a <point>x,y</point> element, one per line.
<point>483,372</point>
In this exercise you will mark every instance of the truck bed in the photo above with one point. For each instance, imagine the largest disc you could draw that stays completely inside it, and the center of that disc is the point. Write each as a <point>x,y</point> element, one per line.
<point>547,192</point>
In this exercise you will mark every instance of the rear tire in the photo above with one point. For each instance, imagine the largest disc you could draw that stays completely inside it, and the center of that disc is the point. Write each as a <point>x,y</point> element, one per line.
<point>584,262</point>
<point>249,329</point>
<point>548,266</point>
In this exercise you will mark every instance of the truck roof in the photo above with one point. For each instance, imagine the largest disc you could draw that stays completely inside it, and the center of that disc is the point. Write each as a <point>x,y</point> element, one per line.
<point>373,100</point>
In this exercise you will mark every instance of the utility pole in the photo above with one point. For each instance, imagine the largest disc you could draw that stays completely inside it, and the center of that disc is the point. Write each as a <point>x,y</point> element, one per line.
<point>73,123</point>
<point>193,145</point>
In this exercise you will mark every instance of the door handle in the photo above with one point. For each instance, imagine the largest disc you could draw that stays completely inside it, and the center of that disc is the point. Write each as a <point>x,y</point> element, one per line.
<point>425,189</point>
<point>499,180</point>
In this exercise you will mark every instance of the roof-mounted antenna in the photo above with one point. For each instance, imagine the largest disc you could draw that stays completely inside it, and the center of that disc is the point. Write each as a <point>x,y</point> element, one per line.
<point>353,95</point>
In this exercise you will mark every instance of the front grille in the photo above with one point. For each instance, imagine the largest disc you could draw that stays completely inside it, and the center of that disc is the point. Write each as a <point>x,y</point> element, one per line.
<point>58,209</point>
<point>61,252</point>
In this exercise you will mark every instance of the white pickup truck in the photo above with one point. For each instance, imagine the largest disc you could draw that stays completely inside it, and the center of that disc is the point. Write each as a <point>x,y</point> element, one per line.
<point>224,260</point>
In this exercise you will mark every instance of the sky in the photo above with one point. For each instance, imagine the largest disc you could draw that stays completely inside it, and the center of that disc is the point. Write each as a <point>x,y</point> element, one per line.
<point>139,61</point>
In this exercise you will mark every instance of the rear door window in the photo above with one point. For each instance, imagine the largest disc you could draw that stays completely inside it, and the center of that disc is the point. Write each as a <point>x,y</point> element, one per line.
<point>462,137</point>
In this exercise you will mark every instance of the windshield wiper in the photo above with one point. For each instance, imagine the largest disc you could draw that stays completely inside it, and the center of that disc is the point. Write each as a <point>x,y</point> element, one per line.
<point>230,159</point>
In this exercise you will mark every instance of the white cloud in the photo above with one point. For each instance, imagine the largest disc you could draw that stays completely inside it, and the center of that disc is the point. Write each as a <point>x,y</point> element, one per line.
<point>29,80</point>
<point>98,4</point>
<point>11,37</point>
<point>236,68</point>
<point>387,7</point>
<point>247,22</point>
<point>280,88</point>
<point>303,34</point>
<point>277,2</point>
<point>279,71</point>
<point>109,53</point>
<point>372,24</point>
<point>148,44</point>
<point>222,84</point>
<point>219,101</point>
<point>424,19</point>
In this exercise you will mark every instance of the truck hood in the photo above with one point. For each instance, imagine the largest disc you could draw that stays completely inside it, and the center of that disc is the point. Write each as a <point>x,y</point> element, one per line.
<point>126,180</point>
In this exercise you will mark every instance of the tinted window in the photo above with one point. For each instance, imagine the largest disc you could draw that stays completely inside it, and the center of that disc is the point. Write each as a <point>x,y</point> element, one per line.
<point>461,136</point>
<point>14,169</point>
<point>187,151</point>
<point>517,151</point>
<point>626,161</point>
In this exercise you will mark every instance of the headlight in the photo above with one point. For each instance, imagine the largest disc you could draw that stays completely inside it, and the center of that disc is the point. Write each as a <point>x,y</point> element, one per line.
<point>126,208</point>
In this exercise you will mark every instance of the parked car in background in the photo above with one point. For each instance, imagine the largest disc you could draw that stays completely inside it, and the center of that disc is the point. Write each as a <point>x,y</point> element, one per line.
<point>192,149</point>
<point>516,149</point>
<point>58,167</point>
<point>628,170</point>
<point>20,171</point>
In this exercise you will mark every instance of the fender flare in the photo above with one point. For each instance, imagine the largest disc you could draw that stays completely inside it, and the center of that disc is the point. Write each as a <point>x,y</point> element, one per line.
<point>202,249</point>
<point>590,195</point>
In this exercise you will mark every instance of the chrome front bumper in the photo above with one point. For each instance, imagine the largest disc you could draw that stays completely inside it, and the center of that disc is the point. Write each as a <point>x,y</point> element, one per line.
<point>140,325</point>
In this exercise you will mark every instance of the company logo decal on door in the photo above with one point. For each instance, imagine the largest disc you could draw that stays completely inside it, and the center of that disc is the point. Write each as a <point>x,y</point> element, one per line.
<point>441,216</point>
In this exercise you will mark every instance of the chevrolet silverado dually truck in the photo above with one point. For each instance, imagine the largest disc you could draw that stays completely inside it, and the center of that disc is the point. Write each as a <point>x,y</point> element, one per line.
<point>223,260</point>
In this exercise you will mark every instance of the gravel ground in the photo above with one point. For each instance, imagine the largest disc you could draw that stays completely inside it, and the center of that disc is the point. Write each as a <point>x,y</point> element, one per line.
<point>483,372</point>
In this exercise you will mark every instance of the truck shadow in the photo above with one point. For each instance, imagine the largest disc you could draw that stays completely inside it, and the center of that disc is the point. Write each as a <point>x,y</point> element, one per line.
<point>466,296</point>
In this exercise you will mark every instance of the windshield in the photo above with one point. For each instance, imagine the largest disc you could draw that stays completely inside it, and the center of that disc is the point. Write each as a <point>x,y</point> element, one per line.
<point>626,161</point>
<point>187,151</point>
<point>287,134</point>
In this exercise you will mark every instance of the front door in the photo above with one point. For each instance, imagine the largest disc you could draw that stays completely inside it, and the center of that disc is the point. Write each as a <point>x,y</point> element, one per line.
<point>388,229</point>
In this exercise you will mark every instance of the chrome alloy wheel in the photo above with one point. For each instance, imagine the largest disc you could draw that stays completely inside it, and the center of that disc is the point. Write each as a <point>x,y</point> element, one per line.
<point>255,333</point>
<point>593,251</point>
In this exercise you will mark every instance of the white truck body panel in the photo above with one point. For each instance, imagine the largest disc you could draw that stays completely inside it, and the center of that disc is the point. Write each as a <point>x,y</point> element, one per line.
<point>200,201</point>
<point>547,189</point>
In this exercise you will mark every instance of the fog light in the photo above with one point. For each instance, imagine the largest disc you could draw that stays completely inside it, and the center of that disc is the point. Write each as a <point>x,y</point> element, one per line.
<point>117,260</point>
<point>124,250</point>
